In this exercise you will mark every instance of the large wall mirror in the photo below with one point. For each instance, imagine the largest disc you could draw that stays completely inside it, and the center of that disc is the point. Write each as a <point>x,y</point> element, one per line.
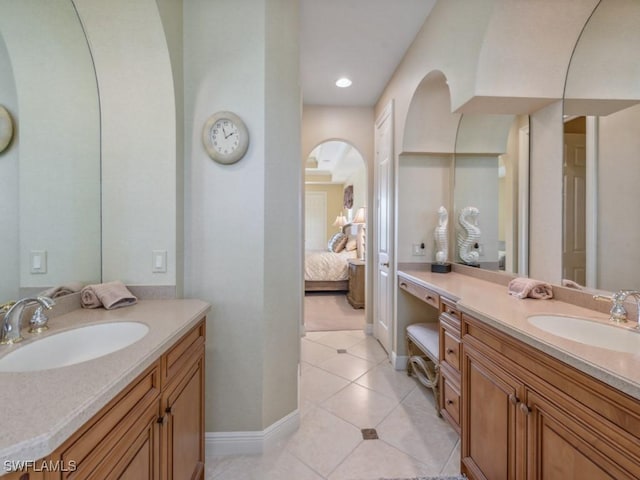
<point>50,173</point>
<point>601,169</point>
<point>491,174</point>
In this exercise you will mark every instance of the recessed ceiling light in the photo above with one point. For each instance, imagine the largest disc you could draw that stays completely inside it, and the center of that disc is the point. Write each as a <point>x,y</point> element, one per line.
<point>343,82</point>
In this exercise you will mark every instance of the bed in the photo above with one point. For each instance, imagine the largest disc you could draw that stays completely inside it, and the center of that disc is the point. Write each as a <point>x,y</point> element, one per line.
<point>328,270</point>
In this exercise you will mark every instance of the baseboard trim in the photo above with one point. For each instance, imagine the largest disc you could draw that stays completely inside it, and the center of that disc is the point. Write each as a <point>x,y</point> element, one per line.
<point>399,362</point>
<point>246,443</point>
<point>368,329</point>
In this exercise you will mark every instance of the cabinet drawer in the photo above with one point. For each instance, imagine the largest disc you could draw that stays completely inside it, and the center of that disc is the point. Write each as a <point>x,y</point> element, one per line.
<point>451,400</point>
<point>184,353</point>
<point>449,307</point>
<point>450,349</point>
<point>426,295</point>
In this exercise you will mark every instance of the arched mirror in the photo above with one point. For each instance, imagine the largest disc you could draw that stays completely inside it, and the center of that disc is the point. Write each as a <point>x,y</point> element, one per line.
<point>50,173</point>
<point>490,195</point>
<point>601,169</point>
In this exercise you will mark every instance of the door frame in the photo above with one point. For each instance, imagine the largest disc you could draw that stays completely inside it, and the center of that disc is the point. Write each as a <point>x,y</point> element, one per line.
<point>387,112</point>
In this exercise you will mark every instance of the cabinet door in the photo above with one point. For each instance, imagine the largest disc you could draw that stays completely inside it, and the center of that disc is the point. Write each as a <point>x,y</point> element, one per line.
<point>140,457</point>
<point>493,432</point>
<point>184,426</point>
<point>560,446</point>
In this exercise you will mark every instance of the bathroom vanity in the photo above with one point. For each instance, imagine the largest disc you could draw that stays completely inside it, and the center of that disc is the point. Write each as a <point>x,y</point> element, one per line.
<point>530,404</point>
<point>136,413</point>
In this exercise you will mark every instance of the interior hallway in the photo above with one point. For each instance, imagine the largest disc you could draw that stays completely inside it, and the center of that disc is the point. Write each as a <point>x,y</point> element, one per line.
<point>340,394</point>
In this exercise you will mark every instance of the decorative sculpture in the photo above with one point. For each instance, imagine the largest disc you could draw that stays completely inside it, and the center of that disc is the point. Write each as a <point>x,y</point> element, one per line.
<point>440,236</point>
<point>468,240</point>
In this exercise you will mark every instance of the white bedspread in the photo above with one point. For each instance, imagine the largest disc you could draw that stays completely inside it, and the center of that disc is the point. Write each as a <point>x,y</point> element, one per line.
<point>327,266</point>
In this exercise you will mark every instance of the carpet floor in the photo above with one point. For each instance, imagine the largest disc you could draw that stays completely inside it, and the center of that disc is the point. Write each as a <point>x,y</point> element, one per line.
<point>325,311</point>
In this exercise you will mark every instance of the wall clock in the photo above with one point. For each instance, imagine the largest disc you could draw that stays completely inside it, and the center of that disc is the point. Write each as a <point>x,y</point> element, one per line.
<point>6,128</point>
<point>225,137</point>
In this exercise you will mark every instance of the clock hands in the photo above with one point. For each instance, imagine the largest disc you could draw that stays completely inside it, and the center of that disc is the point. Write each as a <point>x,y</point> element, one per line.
<point>225,133</point>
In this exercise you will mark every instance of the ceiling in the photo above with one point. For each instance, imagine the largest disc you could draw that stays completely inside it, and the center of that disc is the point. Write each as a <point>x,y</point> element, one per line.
<point>360,39</point>
<point>333,162</point>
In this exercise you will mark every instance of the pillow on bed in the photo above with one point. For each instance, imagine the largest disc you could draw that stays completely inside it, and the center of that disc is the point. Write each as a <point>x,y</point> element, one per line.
<point>352,244</point>
<point>337,242</point>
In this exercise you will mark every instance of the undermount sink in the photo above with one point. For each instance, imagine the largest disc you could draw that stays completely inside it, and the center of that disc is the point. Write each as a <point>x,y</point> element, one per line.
<point>589,332</point>
<point>73,346</point>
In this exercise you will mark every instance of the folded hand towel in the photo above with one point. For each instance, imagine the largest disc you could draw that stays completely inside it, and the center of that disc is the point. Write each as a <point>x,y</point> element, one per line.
<point>527,287</point>
<point>110,295</point>
<point>571,284</point>
<point>62,290</point>
<point>88,298</point>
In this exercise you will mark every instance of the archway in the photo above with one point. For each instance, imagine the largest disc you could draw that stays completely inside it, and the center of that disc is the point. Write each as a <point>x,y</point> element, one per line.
<point>335,237</point>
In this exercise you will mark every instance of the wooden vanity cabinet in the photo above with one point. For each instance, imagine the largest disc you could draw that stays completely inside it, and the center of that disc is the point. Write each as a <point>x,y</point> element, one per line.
<point>450,343</point>
<point>182,407</point>
<point>153,429</point>
<point>526,415</point>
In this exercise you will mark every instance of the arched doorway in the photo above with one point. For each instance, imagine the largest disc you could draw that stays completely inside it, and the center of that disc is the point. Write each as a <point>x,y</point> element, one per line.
<point>335,237</point>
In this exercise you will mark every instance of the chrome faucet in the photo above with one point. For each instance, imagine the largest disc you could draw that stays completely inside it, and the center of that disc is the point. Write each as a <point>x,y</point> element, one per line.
<point>12,323</point>
<point>618,312</point>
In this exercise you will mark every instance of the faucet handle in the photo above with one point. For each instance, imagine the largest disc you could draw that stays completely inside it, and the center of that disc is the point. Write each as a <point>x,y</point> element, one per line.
<point>618,313</point>
<point>38,322</point>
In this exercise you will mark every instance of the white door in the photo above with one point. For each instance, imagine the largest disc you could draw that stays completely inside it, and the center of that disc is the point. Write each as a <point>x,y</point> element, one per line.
<point>315,221</point>
<point>574,214</point>
<point>383,287</point>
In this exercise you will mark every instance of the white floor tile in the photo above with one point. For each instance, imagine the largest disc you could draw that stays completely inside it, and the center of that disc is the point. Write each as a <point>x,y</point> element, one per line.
<point>317,385</point>
<point>323,441</point>
<point>374,459</point>
<point>384,379</point>
<point>343,339</point>
<point>360,406</point>
<point>347,366</point>
<point>316,353</point>
<point>421,434</point>
<point>369,349</point>
<point>265,467</point>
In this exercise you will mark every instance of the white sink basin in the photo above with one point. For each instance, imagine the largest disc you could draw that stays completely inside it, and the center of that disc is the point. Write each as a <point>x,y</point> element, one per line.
<point>589,332</point>
<point>73,346</point>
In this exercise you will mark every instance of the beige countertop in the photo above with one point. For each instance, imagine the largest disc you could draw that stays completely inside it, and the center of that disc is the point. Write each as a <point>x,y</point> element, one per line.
<point>491,303</point>
<point>41,409</point>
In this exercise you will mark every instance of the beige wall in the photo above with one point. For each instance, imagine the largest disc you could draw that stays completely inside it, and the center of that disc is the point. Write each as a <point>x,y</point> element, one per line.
<point>243,225</point>
<point>335,197</point>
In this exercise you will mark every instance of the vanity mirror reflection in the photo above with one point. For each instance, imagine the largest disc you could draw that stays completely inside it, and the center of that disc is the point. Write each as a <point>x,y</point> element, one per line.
<point>50,173</point>
<point>491,169</point>
<point>601,171</point>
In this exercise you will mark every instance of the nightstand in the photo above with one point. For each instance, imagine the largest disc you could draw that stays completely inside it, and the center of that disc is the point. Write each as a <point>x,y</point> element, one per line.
<point>356,283</point>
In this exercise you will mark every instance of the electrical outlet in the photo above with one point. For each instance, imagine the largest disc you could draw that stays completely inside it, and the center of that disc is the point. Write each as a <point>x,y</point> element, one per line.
<point>418,250</point>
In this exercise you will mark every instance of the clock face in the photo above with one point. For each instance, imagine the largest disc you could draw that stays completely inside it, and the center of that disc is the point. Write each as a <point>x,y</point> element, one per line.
<point>225,137</point>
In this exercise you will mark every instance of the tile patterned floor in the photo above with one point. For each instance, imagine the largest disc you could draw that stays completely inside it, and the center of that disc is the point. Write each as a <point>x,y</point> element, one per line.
<point>340,394</point>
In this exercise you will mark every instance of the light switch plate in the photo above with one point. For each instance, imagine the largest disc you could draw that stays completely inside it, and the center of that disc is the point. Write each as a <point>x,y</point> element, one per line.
<point>159,261</point>
<point>38,261</point>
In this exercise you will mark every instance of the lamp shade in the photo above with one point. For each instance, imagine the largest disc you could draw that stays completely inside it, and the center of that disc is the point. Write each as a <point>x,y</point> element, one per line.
<point>361,216</point>
<point>340,221</point>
